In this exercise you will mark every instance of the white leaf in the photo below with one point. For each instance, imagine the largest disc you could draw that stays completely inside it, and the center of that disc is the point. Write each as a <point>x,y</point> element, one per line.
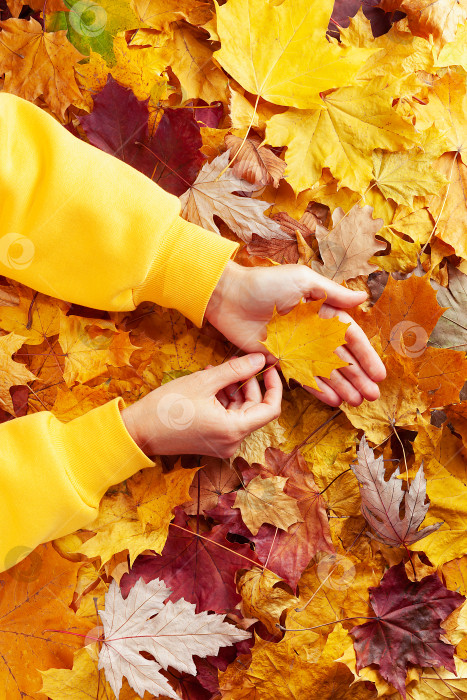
<point>173,636</point>
<point>208,197</point>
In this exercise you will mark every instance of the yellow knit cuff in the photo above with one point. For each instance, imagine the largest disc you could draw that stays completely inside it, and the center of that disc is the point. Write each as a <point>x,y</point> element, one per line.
<point>187,268</point>
<point>99,451</point>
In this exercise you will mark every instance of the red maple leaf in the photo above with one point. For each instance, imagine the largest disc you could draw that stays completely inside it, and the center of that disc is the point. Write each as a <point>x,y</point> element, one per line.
<point>199,567</point>
<point>407,628</point>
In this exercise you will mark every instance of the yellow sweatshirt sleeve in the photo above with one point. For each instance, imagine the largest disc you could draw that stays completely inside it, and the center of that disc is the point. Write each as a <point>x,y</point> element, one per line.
<point>81,225</point>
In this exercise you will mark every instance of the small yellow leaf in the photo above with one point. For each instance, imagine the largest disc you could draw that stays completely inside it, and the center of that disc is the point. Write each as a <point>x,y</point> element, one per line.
<point>305,343</point>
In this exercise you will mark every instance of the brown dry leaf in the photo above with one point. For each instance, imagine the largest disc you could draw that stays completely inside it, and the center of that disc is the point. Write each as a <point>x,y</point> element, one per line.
<point>264,501</point>
<point>381,500</point>
<point>8,297</point>
<point>12,373</point>
<point>38,63</point>
<point>439,18</point>
<point>253,162</point>
<point>209,197</point>
<point>346,249</point>
<point>159,14</point>
<point>295,248</point>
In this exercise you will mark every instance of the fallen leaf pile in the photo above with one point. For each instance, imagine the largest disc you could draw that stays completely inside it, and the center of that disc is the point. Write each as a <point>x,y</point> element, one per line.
<point>328,558</point>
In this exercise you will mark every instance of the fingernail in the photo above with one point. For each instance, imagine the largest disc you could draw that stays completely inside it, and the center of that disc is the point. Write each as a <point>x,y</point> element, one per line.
<point>256,359</point>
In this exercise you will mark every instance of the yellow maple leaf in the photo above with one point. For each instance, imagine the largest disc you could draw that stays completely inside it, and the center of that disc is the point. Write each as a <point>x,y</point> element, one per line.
<point>352,122</point>
<point>36,317</point>
<point>11,373</point>
<point>304,343</point>
<point>86,355</point>
<point>138,517</point>
<point>299,62</point>
<point>402,176</point>
<point>190,58</point>
<point>263,598</point>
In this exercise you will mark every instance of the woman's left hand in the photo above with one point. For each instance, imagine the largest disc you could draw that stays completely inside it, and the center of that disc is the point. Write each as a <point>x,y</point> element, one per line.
<point>243,302</point>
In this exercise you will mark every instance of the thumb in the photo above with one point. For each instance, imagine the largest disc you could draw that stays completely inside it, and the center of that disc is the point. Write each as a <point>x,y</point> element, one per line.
<point>235,370</point>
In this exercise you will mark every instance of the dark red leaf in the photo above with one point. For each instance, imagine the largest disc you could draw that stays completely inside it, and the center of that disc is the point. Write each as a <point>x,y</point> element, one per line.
<point>177,159</point>
<point>118,125</point>
<point>118,121</point>
<point>209,115</point>
<point>196,569</point>
<point>408,626</point>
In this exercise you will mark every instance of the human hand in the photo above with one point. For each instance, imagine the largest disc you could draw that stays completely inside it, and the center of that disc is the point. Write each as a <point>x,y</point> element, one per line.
<point>243,302</point>
<point>206,412</point>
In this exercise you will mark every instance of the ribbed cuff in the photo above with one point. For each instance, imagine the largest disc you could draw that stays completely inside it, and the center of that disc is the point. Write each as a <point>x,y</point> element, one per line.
<point>186,270</point>
<point>98,451</point>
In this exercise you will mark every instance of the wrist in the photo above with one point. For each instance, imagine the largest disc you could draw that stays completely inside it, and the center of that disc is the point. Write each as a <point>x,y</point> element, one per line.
<point>228,287</point>
<point>133,426</point>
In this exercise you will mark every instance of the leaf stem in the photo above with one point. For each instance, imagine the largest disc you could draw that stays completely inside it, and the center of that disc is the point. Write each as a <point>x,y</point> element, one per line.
<point>344,619</point>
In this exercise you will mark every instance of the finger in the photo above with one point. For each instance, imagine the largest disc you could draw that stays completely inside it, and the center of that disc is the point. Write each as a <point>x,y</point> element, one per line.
<point>318,286</point>
<point>343,388</point>
<point>222,397</point>
<point>357,376</point>
<point>252,391</point>
<point>326,395</point>
<point>235,395</point>
<point>235,370</point>
<point>254,417</point>
<point>363,351</point>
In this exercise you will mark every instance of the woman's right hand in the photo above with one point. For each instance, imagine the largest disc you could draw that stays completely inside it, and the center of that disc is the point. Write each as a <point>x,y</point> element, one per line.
<point>206,412</point>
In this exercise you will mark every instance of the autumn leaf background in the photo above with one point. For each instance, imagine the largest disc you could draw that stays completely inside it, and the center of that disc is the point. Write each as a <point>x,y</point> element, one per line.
<point>334,544</point>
